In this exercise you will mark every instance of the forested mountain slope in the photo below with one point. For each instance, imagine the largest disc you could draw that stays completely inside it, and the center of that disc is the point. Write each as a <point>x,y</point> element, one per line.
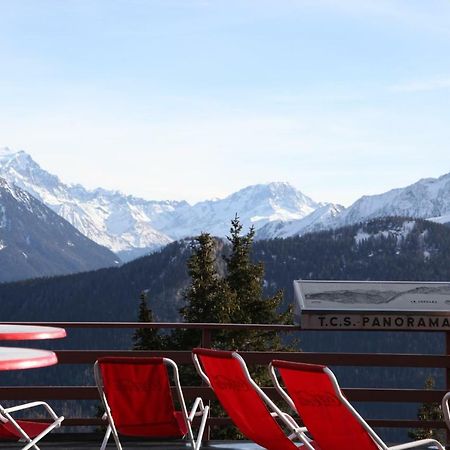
<point>383,249</point>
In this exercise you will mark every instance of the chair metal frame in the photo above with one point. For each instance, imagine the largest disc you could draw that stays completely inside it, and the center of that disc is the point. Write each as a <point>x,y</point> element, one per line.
<point>296,431</point>
<point>353,411</point>
<point>198,409</point>
<point>5,417</point>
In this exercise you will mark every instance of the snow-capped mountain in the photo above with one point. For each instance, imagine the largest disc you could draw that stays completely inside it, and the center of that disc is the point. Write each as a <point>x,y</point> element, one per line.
<point>35,241</point>
<point>122,223</point>
<point>131,226</point>
<point>255,205</point>
<point>428,198</point>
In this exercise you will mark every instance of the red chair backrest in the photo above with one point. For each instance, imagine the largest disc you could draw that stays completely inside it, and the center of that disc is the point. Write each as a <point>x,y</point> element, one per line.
<point>139,396</point>
<point>328,419</point>
<point>240,400</point>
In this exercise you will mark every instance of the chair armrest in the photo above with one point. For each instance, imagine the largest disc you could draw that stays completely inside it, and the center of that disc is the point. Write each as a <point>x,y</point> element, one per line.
<point>433,442</point>
<point>33,405</point>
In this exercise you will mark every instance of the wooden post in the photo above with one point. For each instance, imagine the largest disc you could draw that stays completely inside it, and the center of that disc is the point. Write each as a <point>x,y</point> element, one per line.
<point>206,338</point>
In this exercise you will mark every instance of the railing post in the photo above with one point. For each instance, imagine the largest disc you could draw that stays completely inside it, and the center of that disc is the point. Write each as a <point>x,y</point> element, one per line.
<point>206,338</point>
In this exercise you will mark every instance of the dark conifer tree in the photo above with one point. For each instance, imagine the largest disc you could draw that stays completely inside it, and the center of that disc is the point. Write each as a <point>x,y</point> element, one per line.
<point>429,411</point>
<point>245,279</point>
<point>146,338</point>
<point>208,298</point>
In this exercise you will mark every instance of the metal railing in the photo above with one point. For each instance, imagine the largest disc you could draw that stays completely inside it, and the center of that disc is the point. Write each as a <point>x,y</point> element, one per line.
<point>397,395</point>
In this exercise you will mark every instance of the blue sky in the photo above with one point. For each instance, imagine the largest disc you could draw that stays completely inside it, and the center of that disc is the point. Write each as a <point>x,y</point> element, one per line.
<point>196,99</point>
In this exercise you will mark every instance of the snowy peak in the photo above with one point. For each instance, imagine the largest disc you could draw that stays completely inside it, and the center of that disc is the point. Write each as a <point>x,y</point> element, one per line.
<point>121,223</point>
<point>428,198</point>
<point>22,170</point>
<point>274,200</point>
<point>255,205</point>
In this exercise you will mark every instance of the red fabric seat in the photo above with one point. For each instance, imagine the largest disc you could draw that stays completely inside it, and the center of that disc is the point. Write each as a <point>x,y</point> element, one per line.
<point>241,401</point>
<point>139,396</point>
<point>10,432</point>
<point>328,419</point>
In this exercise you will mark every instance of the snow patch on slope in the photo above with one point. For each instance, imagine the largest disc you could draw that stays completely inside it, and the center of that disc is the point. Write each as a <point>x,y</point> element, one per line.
<point>400,233</point>
<point>2,216</point>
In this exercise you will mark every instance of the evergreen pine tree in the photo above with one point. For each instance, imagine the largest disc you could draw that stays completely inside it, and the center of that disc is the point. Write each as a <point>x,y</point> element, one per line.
<point>429,411</point>
<point>245,279</point>
<point>208,298</point>
<point>146,338</point>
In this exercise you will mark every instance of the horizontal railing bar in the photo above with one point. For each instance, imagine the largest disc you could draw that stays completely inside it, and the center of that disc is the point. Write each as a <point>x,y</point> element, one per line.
<point>352,359</point>
<point>190,392</point>
<point>198,325</point>
<point>333,359</point>
<point>202,325</point>
<point>90,356</point>
<point>224,421</point>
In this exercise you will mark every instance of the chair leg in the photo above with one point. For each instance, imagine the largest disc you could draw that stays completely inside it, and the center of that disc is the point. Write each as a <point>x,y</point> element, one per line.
<point>31,444</point>
<point>116,438</point>
<point>196,445</point>
<point>106,438</point>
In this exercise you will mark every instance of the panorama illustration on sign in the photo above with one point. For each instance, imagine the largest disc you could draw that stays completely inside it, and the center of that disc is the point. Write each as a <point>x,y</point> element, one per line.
<point>372,304</point>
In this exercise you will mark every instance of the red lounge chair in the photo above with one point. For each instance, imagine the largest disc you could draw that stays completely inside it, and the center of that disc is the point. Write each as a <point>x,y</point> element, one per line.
<point>331,420</point>
<point>138,401</point>
<point>25,430</point>
<point>247,405</point>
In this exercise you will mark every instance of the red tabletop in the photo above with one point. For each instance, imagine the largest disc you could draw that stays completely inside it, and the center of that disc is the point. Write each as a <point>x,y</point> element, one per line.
<point>28,332</point>
<point>25,358</point>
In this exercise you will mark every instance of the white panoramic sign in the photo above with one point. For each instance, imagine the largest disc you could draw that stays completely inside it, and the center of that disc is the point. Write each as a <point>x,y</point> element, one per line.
<point>383,305</point>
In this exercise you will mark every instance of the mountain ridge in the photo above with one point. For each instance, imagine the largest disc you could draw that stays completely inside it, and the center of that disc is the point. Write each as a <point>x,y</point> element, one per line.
<point>131,226</point>
<point>36,242</point>
<point>428,198</point>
